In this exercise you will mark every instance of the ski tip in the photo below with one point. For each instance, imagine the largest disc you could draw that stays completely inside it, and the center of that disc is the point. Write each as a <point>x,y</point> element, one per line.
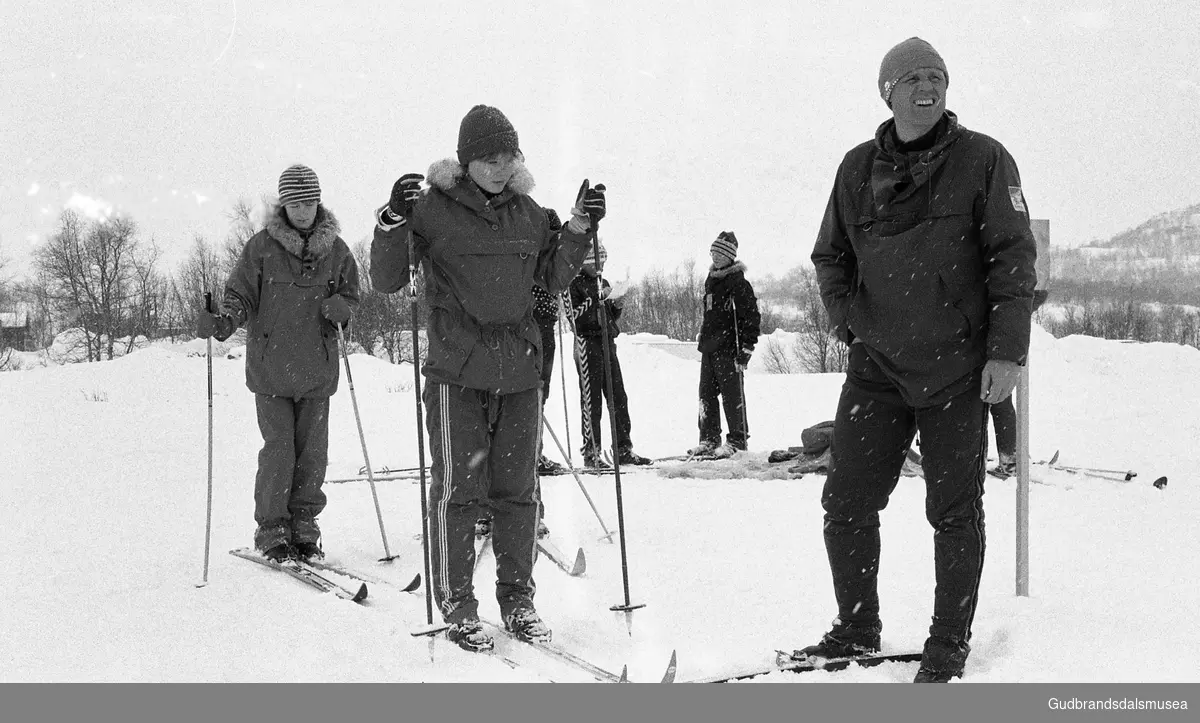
<point>361,594</point>
<point>1160,482</point>
<point>412,586</point>
<point>580,564</point>
<point>624,674</point>
<point>1054,458</point>
<point>672,667</point>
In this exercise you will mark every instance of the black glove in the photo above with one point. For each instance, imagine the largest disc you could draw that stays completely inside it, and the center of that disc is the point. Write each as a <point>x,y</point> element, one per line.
<point>336,309</point>
<point>405,193</point>
<point>743,360</point>
<point>210,326</point>
<point>555,223</point>
<point>593,203</point>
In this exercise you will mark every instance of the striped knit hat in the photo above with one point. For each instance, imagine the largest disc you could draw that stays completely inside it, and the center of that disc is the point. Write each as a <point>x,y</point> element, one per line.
<point>298,184</point>
<point>591,254</point>
<point>905,58</point>
<point>726,245</point>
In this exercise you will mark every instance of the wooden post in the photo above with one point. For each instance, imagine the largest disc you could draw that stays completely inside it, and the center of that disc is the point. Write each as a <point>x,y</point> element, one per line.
<point>1041,233</point>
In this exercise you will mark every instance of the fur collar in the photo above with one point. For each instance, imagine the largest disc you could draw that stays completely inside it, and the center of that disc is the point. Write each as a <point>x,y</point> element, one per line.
<point>446,173</point>
<point>721,273</point>
<point>325,230</point>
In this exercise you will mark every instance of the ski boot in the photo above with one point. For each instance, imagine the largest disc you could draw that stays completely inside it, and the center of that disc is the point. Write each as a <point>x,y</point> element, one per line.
<point>942,660</point>
<point>525,624</point>
<point>469,635</point>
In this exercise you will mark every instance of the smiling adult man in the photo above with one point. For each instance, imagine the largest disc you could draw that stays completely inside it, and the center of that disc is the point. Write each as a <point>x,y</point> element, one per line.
<point>925,261</point>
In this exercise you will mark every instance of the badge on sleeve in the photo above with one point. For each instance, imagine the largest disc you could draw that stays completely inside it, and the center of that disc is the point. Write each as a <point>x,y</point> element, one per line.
<point>1018,200</point>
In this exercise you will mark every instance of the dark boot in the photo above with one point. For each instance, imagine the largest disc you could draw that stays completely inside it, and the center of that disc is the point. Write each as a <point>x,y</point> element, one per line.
<point>469,635</point>
<point>844,641</point>
<point>942,660</point>
<point>526,625</point>
<point>309,551</point>
<point>280,553</point>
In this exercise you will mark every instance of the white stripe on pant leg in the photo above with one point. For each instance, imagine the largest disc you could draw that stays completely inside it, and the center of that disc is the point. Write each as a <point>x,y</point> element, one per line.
<point>585,391</point>
<point>443,571</point>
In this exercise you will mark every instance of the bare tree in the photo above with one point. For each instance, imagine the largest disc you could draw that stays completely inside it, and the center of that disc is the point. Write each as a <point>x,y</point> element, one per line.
<point>672,305</point>
<point>244,221</point>
<point>385,320</point>
<point>91,272</point>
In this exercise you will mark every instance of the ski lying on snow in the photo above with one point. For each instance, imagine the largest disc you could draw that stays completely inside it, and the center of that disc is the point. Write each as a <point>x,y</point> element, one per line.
<point>551,551</point>
<point>566,656</point>
<point>363,576</point>
<point>785,664</point>
<point>308,575</point>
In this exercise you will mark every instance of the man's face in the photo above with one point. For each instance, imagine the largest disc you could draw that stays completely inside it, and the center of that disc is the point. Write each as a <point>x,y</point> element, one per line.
<point>302,215</point>
<point>493,173</point>
<point>918,101</point>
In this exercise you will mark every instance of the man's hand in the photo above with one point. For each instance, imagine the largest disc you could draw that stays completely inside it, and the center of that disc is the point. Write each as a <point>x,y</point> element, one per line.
<point>1000,377</point>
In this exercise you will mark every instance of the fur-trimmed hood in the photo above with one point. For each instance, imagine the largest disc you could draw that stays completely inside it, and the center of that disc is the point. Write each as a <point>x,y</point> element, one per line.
<point>446,173</point>
<point>724,271</point>
<point>325,231</point>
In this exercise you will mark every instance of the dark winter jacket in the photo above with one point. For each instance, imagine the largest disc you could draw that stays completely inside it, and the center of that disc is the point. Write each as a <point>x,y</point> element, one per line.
<point>480,257</point>
<point>276,290</point>
<point>927,258</point>
<point>727,293</point>
<point>585,309</point>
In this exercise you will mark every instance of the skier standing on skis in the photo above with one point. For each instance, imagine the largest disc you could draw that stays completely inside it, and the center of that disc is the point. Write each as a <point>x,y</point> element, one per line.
<point>925,261</point>
<point>728,334</point>
<point>588,291</point>
<point>281,290</point>
<point>482,243</point>
<point>546,312</point>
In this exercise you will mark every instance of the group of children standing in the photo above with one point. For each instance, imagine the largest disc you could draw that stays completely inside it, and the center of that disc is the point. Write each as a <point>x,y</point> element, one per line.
<point>495,265</point>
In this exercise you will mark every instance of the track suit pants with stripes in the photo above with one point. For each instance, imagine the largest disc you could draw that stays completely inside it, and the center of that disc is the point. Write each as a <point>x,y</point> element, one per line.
<point>593,390</point>
<point>872,433</point>
<point>484,453</point>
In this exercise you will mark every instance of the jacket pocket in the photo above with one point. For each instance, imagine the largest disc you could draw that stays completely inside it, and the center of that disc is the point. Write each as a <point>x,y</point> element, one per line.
<point>494,276</point>
<point>967,295</point>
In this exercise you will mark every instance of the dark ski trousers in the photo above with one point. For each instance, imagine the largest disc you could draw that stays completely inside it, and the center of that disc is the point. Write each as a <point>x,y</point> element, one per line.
<point>872,433</point>
<point>719,378</point>
<point>593,390</point>
<point>291,469</point>
<point>1004,417</point>
<point>484,454</point>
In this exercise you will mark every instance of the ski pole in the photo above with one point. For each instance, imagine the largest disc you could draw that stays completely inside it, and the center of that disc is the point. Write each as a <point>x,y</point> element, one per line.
<point>737,343</point>
<point>628,606</point>
<point>607,535</point>
<point>362,438</point>
<point>430,628</point>
<point>562,375</point>
<point>208,512</point>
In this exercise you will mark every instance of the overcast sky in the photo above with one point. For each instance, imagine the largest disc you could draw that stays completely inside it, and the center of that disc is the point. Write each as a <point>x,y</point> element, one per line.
<point>699,116</point>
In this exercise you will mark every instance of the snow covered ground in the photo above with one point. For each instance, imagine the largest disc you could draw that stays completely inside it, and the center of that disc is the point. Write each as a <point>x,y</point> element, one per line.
<point>105,485</point>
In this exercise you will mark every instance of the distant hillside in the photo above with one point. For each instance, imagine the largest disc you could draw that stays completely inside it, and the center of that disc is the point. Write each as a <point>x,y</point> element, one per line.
<point>1157,261</point>
<point>1165,235</point>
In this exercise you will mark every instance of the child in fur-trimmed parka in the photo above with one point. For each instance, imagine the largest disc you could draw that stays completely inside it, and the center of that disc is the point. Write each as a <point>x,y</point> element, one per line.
<point>588,291</point>
<point>728,335</point>
<point>482,243</point>
<point>295,281</point>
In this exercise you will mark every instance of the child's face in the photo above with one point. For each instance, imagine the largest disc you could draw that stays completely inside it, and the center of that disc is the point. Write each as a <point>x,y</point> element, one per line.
<point>302,215</point>
<point>719,260</point>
